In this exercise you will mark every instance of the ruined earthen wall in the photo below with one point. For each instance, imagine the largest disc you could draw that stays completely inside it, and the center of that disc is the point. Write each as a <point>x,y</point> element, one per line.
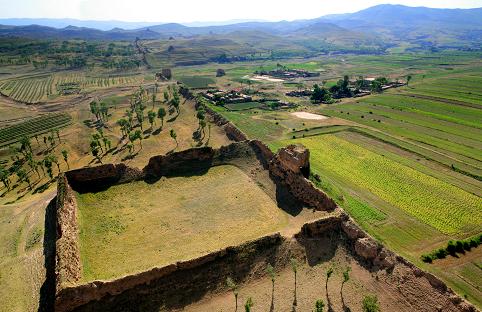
<point>184,279</point>
<point>171,284</point>
<point>194,158</point>
<point>289,172</point>
<point>377,257</point>
<point>233,133</point>
<point>93,178</point>
<point>68,269</point>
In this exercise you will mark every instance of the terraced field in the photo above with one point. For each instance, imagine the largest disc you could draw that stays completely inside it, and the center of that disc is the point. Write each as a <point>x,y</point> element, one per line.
<point>33,126</point>
<point>41,88</point>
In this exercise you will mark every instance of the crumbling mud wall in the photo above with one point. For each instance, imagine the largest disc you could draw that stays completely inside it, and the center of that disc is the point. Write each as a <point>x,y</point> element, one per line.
<point>423,290</point>
<point>68,269</point>
<point>191,159</point>
<point>172,285</point>
<point>290,166</point>
<point>100,177</point>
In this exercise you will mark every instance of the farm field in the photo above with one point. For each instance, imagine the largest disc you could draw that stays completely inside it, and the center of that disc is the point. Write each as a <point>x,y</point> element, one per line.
<point>175,219</point>
<point>46,87</point>
<point>34,127</point>
<point>445,128</point>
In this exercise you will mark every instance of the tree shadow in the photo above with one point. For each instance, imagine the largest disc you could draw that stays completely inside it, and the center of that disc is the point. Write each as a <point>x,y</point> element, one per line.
<point>157,131</point>
<point>47,290</point>
<point>129,157</point>
<point>344,306</point>
<point>42,188</point>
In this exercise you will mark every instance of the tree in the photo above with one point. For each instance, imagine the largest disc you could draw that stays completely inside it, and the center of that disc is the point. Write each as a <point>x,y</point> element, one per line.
<point>4,174</point>
<point>57,132</point>
<point>124,127</point>
<point>138,135</point>
<point>161,113</point>
<point>272,275</point>
<point>319,305</point>
<point>94,109</point>
<point>294,267</point>
<point>153,100</point>
<point>409,77</point>
<point>234,288</point>
<point>25,145</point>
<point>321,95</point>
<point>45,142</point>
<point>166,96</point>
<point>130,147</point>
<point>55,160</point>
<point>23,177</point>
<point>370,304</point>
<point>106,142</point>
<point>346,278</point>
<point>96,138</point>
<point>48,165</point>
<point>65,154</point>
<point>329,272</point>
<point>40,164</point>
<point>32,163</point>
<point>248,305</point>
<point>151,116</point>
<point>376,86</point>
<point>104,110</point>
<point>175,102</point>
<point>94,149</point>
<point>173,135</point>
<point>140,117</point>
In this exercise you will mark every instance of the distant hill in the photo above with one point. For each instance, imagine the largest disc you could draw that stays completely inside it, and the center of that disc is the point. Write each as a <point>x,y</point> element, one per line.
<point>376,27</point>
<point>437,27</point>
<point>64,22</point>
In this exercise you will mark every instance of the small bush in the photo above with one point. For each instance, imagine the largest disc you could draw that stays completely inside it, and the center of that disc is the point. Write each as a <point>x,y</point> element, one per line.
<point>451,247</point>
<point>441,253</point>
<point>370,304</point>
<point>459,246</point>
<point>427,258</point>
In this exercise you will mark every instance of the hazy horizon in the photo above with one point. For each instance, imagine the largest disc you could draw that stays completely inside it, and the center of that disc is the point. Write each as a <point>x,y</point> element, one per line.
<point>197,12</point>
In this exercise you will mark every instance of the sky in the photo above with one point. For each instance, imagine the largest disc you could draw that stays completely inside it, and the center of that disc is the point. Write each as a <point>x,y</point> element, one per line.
<point>200,10</point>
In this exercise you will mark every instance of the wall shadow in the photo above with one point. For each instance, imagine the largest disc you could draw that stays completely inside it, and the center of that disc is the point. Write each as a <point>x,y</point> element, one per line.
<point>47,290</point>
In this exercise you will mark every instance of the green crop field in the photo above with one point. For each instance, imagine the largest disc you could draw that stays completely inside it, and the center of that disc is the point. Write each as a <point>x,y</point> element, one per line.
<point>444,207</point>
<point>243,106</point>
<point>196,82</point>
<point>33,126</point>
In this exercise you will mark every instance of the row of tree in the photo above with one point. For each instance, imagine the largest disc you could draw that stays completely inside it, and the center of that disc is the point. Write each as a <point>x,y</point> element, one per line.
<point>369,303</point>
<point>24,163</point>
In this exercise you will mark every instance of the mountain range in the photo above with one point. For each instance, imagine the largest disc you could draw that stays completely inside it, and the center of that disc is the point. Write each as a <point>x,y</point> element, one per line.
<point>387,23</point>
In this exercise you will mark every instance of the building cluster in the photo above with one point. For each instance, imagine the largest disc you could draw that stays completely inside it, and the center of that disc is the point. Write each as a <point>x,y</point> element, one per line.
<point>226,97</point>
<point>287,73</point>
